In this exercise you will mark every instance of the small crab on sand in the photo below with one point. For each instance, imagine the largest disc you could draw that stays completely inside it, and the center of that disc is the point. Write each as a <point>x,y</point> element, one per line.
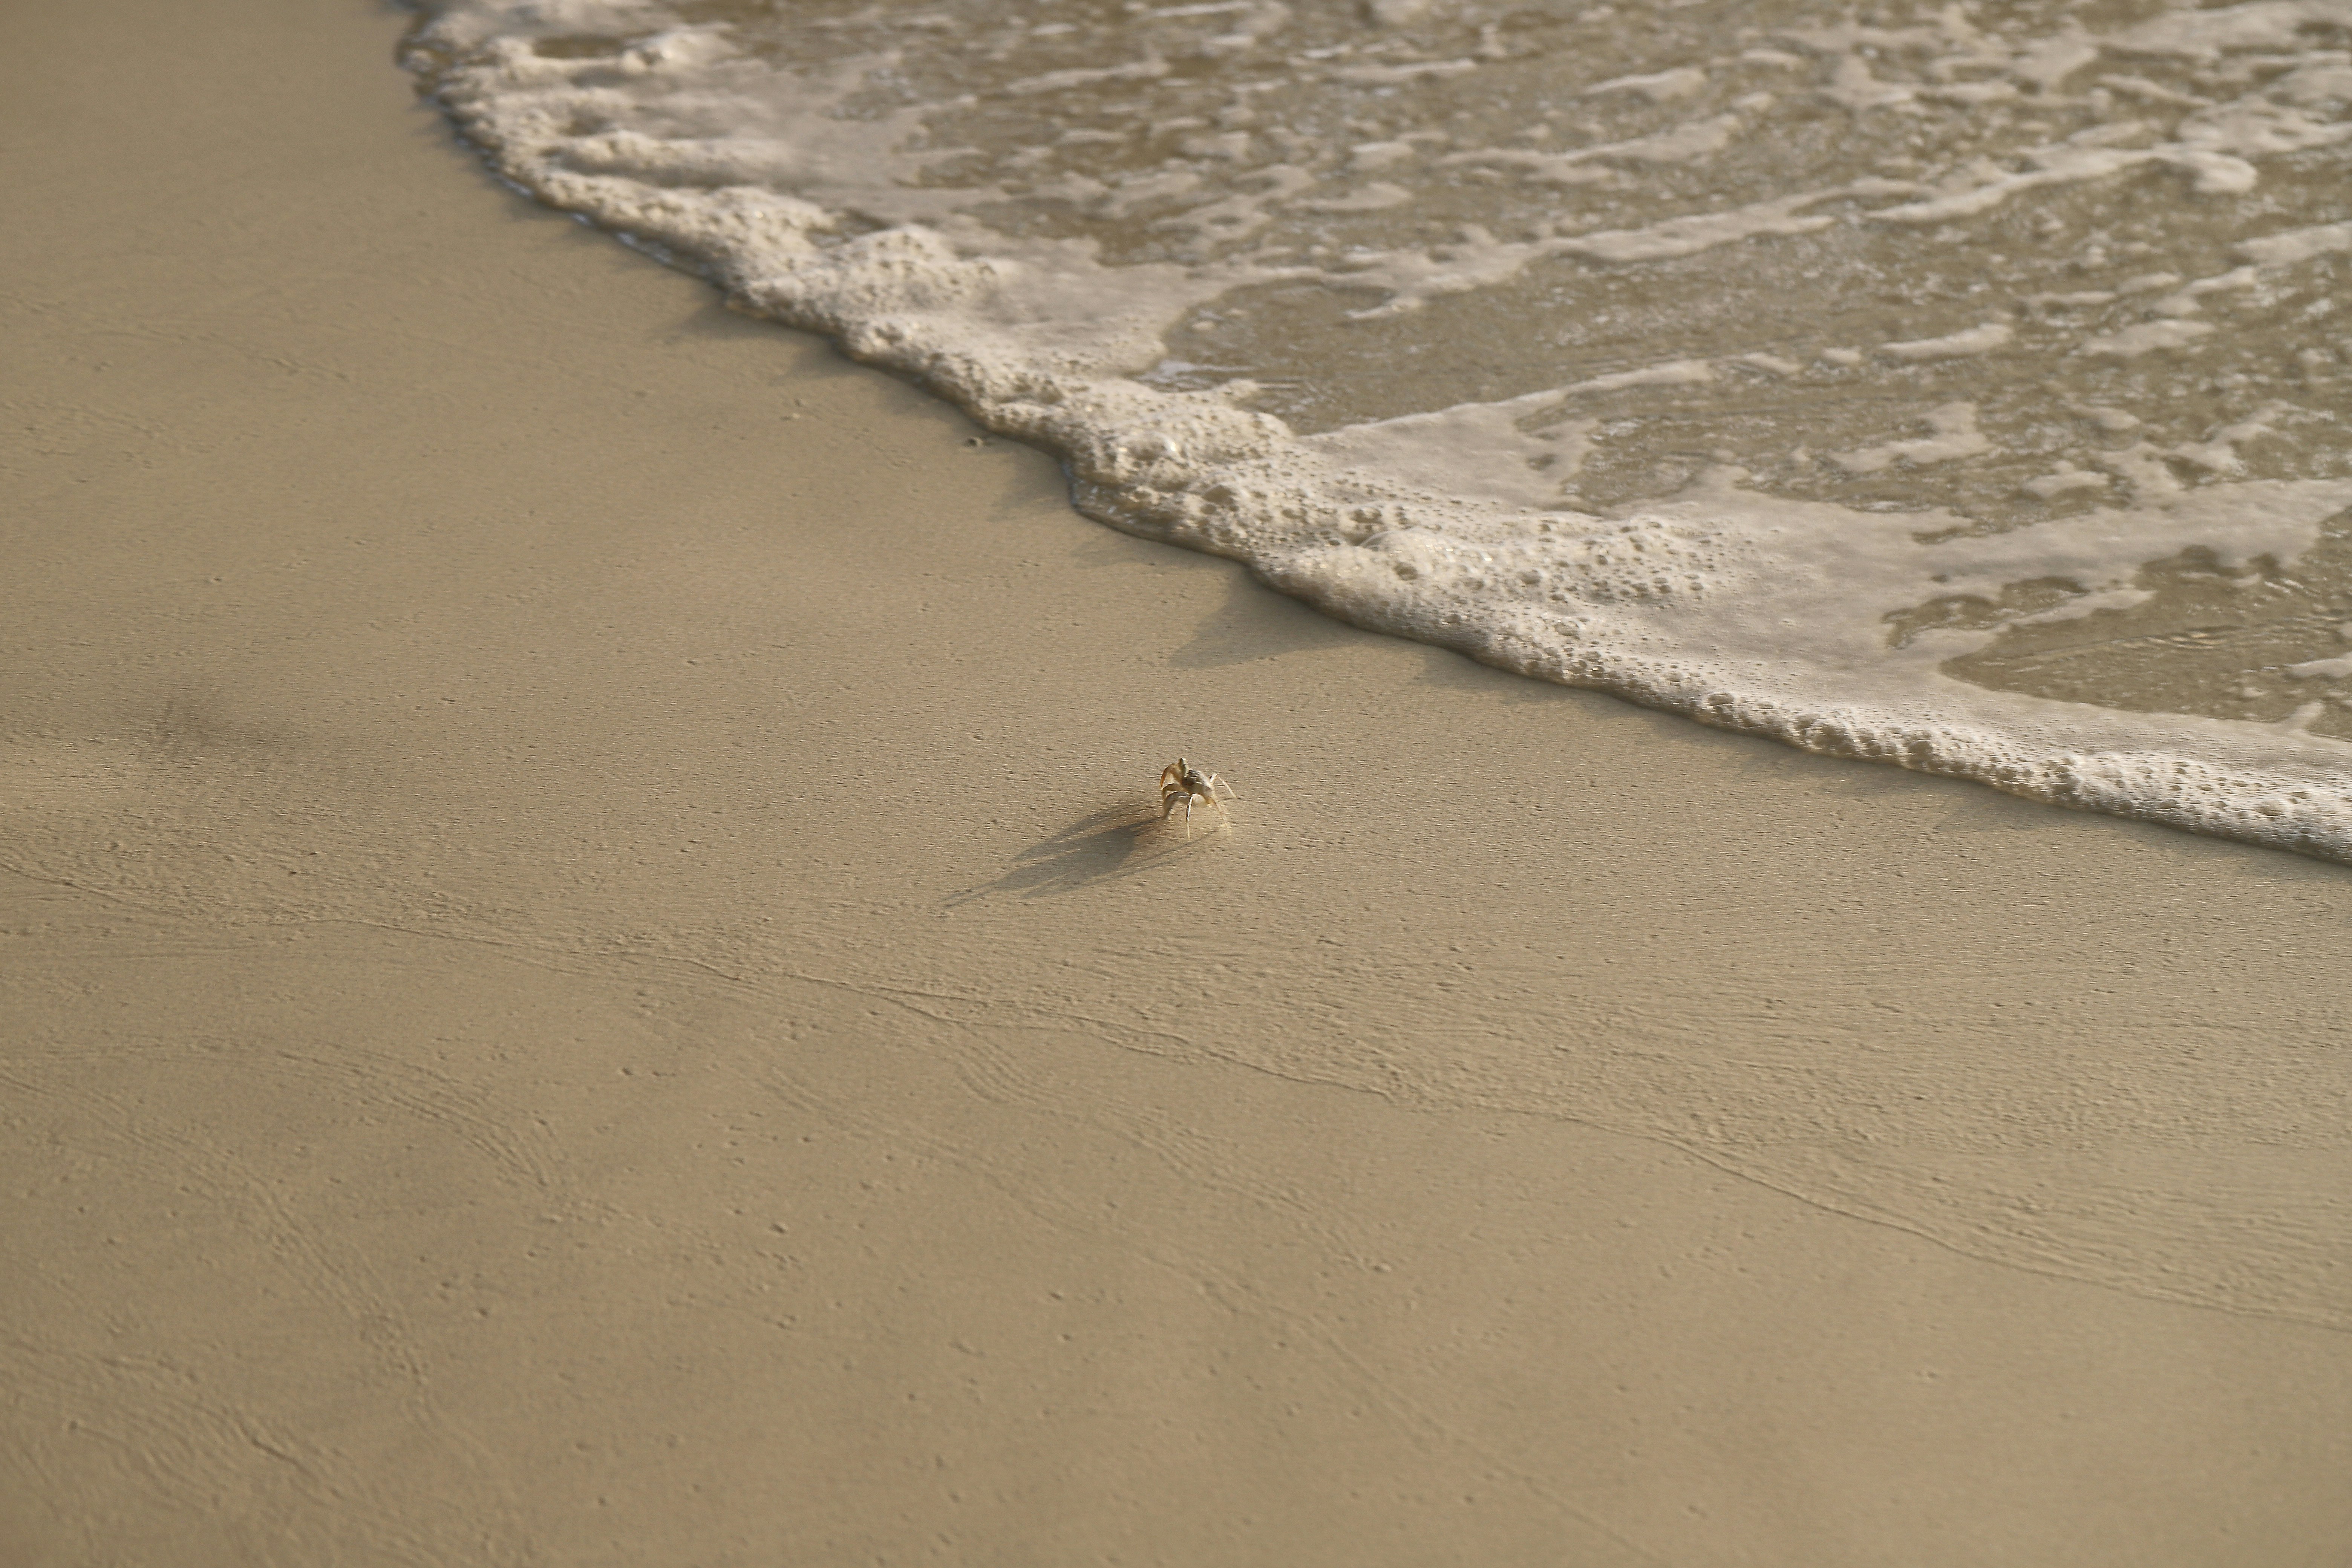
<point>1180,782</point>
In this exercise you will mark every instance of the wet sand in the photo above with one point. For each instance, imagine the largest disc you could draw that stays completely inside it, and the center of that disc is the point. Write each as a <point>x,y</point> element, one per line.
<point>589,980</point>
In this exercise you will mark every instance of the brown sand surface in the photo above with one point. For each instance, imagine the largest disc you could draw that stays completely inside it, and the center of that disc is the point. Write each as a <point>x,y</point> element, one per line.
<point>587,980</point>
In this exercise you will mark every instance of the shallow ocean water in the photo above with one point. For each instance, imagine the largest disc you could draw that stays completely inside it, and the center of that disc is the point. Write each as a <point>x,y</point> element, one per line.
<point>1959,385</point>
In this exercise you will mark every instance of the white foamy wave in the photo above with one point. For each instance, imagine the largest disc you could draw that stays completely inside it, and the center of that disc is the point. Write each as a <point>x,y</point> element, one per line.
<point>1960,387</point>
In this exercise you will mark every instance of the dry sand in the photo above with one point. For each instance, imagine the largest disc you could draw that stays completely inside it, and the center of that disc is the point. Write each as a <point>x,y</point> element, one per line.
<point>583,983</point>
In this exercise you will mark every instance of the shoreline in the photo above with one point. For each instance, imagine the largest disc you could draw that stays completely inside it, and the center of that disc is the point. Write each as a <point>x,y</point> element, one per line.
<point>1679,603</point>
<point>586,932</point>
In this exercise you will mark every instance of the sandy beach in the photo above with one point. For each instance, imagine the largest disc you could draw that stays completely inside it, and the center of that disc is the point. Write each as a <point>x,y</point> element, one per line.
<point>591,977</point>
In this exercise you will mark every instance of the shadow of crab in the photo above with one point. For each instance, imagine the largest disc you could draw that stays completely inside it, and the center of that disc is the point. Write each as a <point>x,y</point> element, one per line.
<point>1116,841</point>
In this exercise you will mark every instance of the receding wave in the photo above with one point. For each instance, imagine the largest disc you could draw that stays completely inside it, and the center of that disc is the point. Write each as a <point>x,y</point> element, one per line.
<point>1962,387</point>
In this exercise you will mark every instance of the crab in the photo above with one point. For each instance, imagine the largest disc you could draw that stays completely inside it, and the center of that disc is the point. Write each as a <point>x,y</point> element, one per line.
<point>1179,781</point>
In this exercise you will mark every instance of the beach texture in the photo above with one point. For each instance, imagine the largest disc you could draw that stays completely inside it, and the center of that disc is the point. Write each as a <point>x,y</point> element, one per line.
<point>591,977</point>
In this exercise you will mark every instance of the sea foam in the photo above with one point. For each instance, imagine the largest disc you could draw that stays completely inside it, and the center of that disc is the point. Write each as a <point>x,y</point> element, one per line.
<point>1961,387</point>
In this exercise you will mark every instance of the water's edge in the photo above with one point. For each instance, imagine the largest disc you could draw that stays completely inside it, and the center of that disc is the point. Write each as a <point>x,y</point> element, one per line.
<point>1182,468</point>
